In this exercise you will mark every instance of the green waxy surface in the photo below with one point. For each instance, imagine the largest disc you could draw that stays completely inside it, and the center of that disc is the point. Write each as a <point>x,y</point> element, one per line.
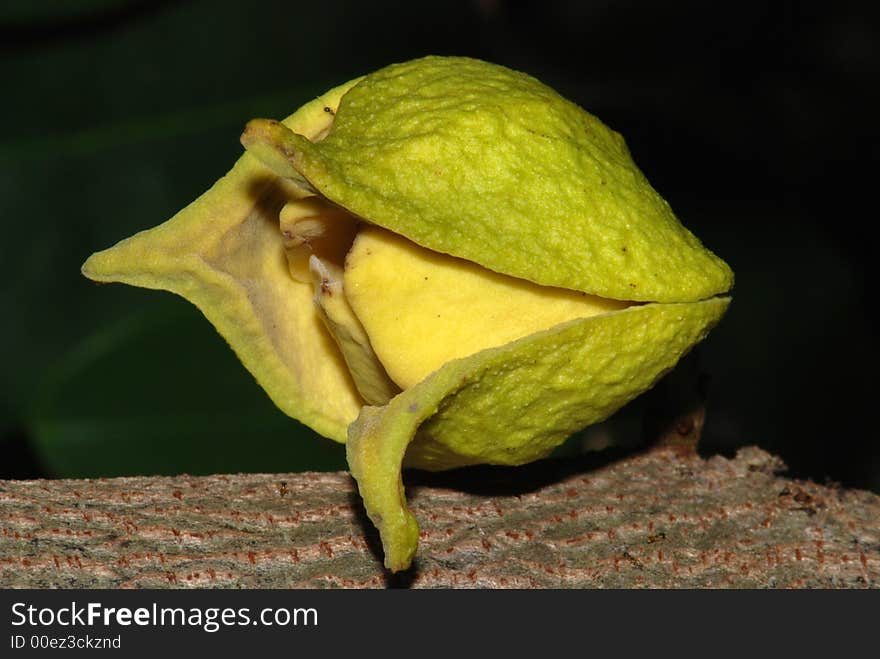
<point>488,164</point>
<point>514,404</point>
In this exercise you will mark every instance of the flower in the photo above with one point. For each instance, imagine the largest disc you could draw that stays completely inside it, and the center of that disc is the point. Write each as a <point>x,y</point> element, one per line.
<point>442,263</point>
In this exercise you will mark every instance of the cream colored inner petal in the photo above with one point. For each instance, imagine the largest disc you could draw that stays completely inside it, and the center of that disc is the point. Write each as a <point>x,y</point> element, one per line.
<point>312,226</point>
<point>422,309</point>
<point>366,370</point>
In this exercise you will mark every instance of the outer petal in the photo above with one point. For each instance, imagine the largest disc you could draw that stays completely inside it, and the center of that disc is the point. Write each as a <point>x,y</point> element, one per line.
<point>514,404</point>
<point>224,254</point>
<point>487,164</point>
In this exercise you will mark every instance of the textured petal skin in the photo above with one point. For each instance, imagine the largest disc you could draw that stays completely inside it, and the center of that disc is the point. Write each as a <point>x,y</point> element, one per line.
<point>487,164</point>
<point>224,254</point>
<point>514,404</point>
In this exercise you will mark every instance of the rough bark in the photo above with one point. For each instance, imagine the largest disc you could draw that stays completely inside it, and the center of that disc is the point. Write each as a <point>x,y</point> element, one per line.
<point>655,519</point>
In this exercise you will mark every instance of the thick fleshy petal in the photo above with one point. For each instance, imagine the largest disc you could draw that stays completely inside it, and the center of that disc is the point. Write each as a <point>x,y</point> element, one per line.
<point>514,404</point>
<point>224,253</point>
<point>434,308</point>
<point>489,165</point>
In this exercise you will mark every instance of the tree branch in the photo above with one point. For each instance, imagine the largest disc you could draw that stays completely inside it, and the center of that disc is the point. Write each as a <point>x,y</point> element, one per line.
<point>656,519</point>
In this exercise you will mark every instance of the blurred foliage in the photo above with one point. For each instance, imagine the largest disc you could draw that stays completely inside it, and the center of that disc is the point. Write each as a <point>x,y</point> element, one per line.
<point>157,391</point>
<point>750,118</point>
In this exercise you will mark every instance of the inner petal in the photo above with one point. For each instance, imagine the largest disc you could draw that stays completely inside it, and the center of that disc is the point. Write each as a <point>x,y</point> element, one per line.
<point>312,226</point>
<point>422,309</point>
<point>331,305</point>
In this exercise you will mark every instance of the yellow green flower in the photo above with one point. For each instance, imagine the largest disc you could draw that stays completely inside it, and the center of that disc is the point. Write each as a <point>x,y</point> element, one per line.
<point>441,263</point>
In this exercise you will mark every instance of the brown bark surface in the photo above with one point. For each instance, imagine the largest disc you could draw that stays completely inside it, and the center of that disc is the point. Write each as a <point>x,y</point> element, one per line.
<point>655,519</point>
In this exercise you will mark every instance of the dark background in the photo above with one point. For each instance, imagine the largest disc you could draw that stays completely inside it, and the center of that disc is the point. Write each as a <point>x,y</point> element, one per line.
<point>753,119</point>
